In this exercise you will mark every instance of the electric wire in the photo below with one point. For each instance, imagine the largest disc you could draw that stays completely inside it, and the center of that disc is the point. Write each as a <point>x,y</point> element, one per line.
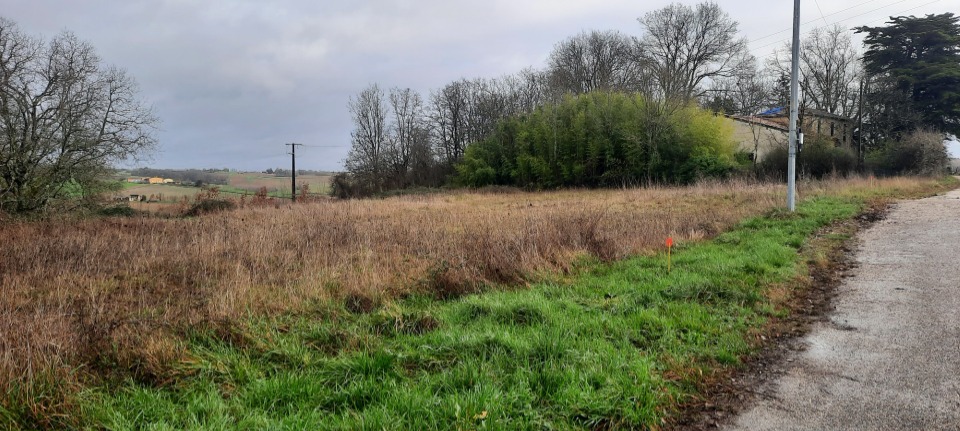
<point>829,14</point>
<point>821,11</point>
<point>754,50</point>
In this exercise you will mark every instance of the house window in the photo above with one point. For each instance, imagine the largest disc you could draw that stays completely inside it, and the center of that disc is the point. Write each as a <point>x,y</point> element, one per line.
<point>831,128</point>
<point>844,133</point>
<point>818,126</point>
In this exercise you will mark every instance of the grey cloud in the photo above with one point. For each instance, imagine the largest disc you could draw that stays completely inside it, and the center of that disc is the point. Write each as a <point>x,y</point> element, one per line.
<point>235,80</point>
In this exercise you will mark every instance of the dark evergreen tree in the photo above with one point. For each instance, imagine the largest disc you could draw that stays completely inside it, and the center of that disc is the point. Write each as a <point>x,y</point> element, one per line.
<point>919,58</point>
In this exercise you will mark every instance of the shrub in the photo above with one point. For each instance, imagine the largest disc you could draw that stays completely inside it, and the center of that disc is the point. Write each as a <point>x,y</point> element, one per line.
<point>344,186</point>
<point>821,158</point>
<point>703,164</point>
<point>209,201</point>
<point>207,206</point>
<point>601,139</point>
<point>921,152</point>
<point>122,210</point>
<point>818,158</point>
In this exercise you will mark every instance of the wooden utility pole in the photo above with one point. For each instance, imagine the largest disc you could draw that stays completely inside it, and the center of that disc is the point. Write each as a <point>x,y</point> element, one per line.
<point>293,171</point>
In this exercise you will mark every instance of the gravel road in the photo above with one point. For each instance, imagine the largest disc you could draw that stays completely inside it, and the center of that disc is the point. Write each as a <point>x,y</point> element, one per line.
<point>888,356</point>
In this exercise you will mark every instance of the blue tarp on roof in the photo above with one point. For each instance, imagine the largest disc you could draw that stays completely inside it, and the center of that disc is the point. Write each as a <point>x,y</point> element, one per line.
<point>774,111</point>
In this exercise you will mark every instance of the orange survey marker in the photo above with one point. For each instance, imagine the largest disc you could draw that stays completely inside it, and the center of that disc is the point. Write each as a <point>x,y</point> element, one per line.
<point>669,246</point>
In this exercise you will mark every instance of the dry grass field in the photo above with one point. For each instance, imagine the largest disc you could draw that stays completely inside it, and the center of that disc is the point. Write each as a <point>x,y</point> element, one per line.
<point>98,297</point>
<point>172,200</point>
<point>251,181</point>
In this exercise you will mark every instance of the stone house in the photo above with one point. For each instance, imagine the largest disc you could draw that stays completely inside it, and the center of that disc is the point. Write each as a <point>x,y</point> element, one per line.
<point>761,133</point>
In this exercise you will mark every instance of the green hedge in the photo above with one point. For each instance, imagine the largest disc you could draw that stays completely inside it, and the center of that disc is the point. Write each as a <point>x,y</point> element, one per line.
<point>601,139</point>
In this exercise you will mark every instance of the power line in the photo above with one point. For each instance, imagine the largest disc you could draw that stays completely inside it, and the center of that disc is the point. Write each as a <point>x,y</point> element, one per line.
<point>273,156</point>
<point>849,18</point>
<point>821,11</point>
<point>829,14</point>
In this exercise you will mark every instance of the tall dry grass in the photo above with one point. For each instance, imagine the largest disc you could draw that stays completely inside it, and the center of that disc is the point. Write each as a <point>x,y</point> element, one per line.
<point>115,295</point>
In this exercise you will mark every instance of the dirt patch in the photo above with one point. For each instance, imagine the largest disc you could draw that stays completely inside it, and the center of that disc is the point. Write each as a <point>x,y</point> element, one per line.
<point>829,255</point>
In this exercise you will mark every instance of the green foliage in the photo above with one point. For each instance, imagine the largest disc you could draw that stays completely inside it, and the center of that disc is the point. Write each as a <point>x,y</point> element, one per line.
<point>345,186</point>
<point>920,59</point>
<point>921,152</point>
<point>711,149</point>
<point>123,210</point>
<point>210,206</point>
<point>818,158</point>
<point>601,139</point>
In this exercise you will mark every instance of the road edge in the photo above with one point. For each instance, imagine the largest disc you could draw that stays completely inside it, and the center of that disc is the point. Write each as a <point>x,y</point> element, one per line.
<point>829,255</point>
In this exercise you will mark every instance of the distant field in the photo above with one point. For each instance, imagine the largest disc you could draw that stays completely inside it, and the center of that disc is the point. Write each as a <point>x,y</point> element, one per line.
<point>254,181</point>
<point>163,192</point>
<point>239,184</point>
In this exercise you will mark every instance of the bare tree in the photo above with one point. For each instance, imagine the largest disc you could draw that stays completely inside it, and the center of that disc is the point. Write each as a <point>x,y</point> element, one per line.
<point>449,118</point>
<point>407,108</point>
<point>65,117</point>
<point>686,46</point>
<point>423,164</point>
<point>528,90</point>
<point>489,103</point>
<point>743,93</point>
<point>751,91</point>
<point>367,160</point>
<point>593,61</point>
<point>829,69</point>
<point>398,142</point>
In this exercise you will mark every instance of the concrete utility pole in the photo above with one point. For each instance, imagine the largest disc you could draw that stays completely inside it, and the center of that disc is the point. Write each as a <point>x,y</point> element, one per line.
<point>794,110</point>
<point>860,129</point>
<point>293,171</point>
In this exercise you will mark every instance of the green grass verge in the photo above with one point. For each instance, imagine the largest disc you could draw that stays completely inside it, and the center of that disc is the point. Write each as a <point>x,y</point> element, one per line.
<point>620,345</point>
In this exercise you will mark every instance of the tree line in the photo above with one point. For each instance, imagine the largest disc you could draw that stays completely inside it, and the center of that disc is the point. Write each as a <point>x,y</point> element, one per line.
<point>402,139</point>
<point>905,84</point>
<point>66,116</point>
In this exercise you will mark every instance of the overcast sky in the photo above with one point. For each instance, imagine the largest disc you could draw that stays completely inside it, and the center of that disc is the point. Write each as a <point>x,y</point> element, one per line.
<point>232,81</point>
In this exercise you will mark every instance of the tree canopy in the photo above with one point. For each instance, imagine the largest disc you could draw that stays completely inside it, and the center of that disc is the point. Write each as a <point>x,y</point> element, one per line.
<point>920,59</point>
<point>64,118</point>
<point>601,139</point>
<point>610,108</point>
<point>688,45</point>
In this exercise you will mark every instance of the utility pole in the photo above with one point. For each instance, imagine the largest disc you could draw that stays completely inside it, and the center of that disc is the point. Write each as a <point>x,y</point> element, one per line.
<point>860,133</point>
<point>794,108</point>
<point>293,171</point>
